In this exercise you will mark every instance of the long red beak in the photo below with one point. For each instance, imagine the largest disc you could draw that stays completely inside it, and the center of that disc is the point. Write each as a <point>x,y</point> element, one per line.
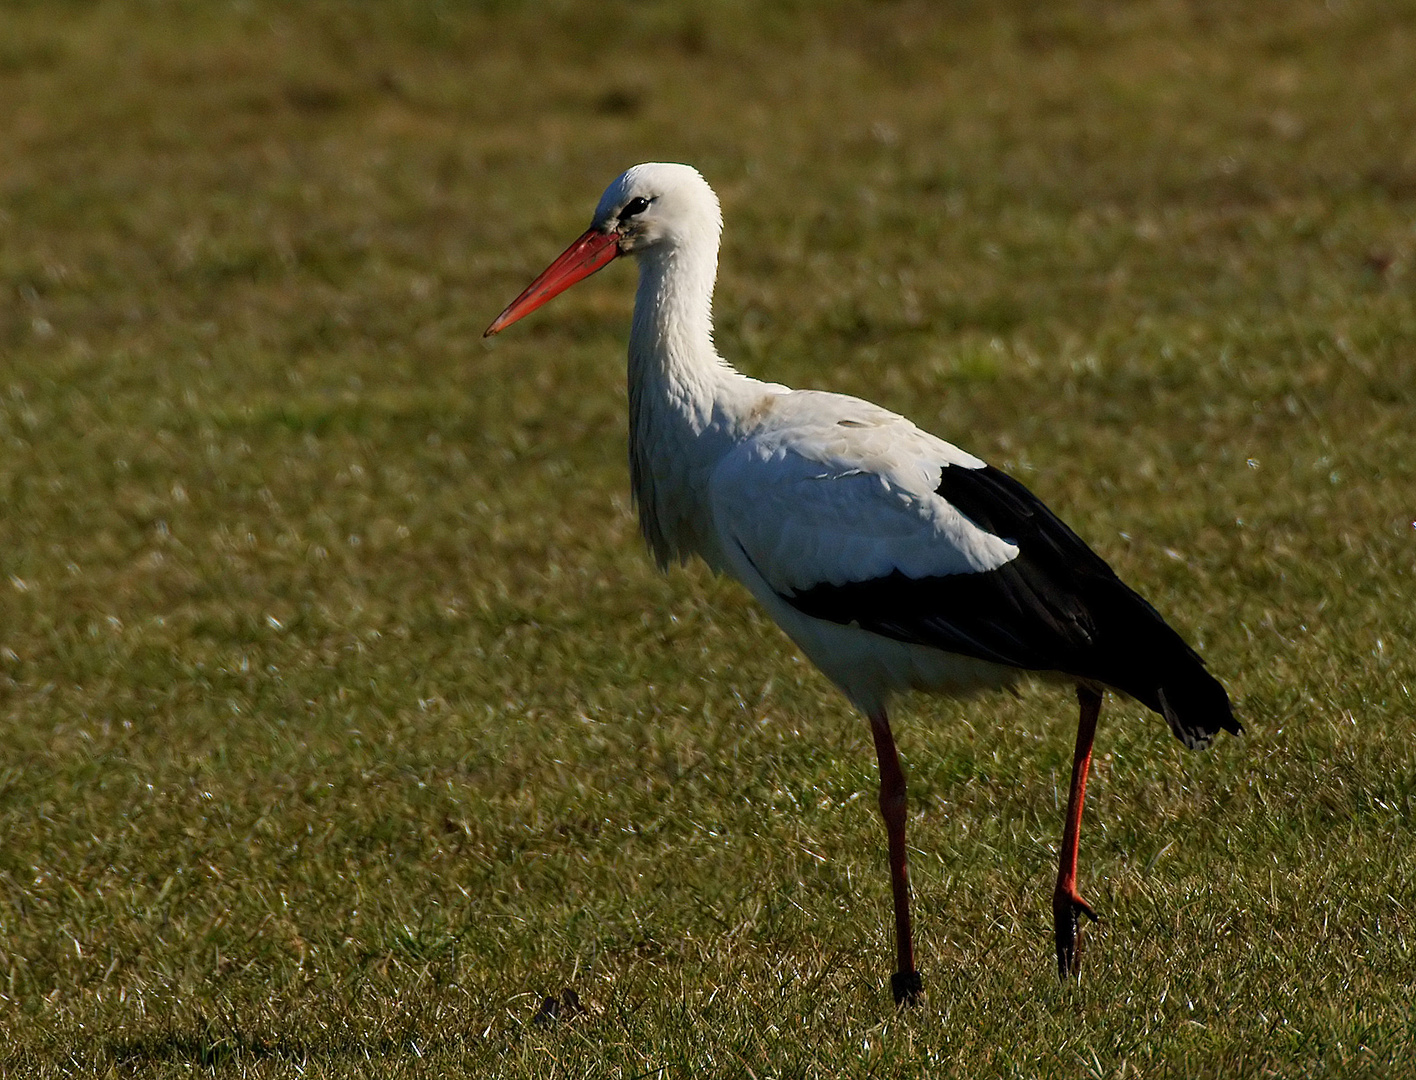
<point>592,251</point>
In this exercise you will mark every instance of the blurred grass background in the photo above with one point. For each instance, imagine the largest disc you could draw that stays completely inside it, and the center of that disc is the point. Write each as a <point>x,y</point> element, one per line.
<point>343,717</point>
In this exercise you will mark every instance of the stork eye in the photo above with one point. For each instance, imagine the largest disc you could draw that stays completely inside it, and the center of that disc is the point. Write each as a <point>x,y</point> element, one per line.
<point>636,205</point>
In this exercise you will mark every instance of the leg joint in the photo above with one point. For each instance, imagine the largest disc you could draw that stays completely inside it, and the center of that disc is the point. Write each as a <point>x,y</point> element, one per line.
<point>893,802</point>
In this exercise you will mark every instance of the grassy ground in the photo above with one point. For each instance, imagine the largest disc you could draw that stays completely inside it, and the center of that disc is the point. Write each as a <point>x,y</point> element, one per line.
<point>343,718</point>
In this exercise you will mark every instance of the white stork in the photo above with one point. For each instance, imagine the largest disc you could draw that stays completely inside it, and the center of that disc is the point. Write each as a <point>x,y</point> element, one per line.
<point>893,559</point>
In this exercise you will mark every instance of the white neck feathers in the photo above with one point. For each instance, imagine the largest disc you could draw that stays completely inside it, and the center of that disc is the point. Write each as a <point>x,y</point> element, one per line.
<point>675,381</point>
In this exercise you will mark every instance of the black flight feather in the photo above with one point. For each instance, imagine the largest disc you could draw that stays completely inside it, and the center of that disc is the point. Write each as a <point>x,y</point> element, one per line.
<point>1056,607</point>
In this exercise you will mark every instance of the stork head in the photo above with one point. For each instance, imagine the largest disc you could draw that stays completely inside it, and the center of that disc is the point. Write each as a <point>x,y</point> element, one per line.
<point>657,203</point>
<point>651,208</point>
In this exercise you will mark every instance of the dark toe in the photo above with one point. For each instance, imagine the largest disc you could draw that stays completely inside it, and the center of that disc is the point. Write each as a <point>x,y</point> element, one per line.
<point>907,986</point>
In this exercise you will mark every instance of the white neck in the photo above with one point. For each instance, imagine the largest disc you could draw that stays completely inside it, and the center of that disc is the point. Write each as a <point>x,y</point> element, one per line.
<point>676,384</point>
<point>671,340</point>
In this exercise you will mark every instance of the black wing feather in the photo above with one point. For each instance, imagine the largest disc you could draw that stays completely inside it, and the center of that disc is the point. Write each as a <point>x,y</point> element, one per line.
<point>1056,607</point>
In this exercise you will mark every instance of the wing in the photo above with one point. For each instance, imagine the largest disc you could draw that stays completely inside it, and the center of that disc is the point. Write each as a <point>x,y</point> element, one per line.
<point>852,514</point>
<point>1042,610</point>
<point>835,506</point>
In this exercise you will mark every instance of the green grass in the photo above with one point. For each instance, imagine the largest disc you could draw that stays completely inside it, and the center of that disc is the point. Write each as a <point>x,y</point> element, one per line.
<point>343,717</point>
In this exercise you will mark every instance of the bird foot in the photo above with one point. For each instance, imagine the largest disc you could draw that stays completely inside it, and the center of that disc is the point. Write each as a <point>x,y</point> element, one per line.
<point>565,1007</point>
<point>1067,905</point>
<point>907,986</point>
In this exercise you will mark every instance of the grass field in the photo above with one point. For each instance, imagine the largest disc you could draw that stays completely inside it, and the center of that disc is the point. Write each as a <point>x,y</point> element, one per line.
<point>343,717</point>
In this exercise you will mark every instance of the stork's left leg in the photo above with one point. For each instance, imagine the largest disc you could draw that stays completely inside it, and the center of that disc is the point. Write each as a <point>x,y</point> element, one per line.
<point>1067,903</point>
<point>905,984</point>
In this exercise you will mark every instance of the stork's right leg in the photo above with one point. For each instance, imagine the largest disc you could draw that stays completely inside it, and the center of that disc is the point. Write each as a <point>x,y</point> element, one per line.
<point>1067,903</point>
<point>905,984</point>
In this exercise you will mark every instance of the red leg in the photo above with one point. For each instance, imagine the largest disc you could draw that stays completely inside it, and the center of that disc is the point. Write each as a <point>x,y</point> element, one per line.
<point>905,984</point>
<point>1067,903</point>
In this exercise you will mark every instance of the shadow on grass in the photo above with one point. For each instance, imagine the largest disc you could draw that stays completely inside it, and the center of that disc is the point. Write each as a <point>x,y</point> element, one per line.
<point>210,1050</point>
